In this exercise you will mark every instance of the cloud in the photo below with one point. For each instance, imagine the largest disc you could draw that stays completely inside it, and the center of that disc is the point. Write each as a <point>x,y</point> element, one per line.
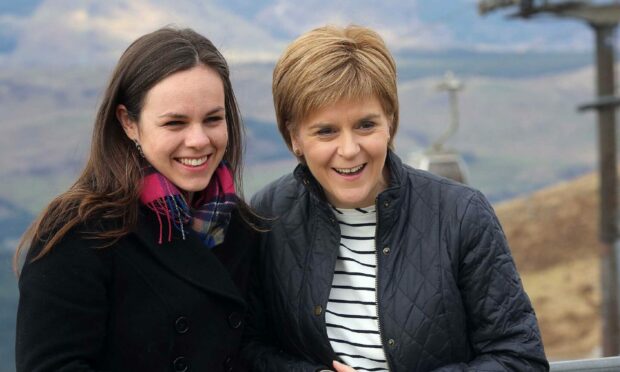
<point>69,32</point>
<point>398,22</point>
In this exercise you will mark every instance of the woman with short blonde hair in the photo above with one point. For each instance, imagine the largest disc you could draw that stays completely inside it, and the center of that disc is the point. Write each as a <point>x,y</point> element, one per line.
<point>368,264</point>
<point>330,64</point>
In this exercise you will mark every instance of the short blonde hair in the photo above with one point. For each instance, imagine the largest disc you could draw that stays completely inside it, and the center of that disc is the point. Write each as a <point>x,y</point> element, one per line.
<point>329,64</point>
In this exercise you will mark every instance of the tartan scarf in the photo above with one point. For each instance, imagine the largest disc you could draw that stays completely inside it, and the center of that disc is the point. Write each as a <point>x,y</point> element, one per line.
<point>208,215</point>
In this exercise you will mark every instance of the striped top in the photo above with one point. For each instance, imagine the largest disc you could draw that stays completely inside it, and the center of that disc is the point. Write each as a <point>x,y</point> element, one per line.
<point>351,314</point>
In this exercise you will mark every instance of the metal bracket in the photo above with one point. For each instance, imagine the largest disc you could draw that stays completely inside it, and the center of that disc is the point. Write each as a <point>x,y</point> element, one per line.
<point>601,103</point>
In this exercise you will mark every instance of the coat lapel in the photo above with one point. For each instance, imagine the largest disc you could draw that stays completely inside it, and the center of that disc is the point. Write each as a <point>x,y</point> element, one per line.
<point>190,260</point>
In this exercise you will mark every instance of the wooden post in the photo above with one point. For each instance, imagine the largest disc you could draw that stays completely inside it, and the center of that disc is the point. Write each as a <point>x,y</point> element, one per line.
<point>608,190</point>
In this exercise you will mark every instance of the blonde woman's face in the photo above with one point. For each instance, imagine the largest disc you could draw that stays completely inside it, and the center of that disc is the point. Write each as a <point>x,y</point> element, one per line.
<point>345,147</point>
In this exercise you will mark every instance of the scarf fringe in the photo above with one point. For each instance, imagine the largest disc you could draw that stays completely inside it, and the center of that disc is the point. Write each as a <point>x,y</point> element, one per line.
<point>176,212</point>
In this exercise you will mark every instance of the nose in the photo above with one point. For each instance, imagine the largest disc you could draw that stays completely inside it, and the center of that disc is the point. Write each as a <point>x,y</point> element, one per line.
<point>348,146</point>
<point>197,136</point>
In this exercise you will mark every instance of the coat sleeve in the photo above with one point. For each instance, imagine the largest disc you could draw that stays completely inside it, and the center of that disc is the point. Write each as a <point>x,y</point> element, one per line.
<point>502,326</point>
<point>261,350</point>
<point>63,308</point>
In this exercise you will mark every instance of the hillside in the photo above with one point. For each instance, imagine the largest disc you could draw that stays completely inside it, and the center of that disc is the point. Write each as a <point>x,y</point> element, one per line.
<point>553,237</point>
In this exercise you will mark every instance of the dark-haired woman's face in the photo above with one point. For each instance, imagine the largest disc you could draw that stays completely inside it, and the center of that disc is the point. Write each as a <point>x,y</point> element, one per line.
<point>182,127</point>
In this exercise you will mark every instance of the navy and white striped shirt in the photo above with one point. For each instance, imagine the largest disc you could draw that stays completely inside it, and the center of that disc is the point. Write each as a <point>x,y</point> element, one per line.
<point>351,314</point>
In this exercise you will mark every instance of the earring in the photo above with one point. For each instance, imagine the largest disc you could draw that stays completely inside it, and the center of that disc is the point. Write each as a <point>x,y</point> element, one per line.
<point>135,141</point>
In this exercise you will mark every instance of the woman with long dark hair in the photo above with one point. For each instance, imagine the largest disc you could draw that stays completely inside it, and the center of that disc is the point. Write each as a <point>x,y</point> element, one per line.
<point>141,265</point>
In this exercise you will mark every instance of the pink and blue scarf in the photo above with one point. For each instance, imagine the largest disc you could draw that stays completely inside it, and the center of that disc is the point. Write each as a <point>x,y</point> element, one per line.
<point>209,214</point>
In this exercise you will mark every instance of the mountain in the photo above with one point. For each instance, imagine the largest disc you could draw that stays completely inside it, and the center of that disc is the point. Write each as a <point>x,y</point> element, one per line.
<point>521,133</point>
<point>64,50</point>
<point>516,134</point>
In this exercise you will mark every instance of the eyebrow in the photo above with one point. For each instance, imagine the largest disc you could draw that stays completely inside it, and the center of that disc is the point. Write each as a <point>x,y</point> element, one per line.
<point>324,124</point>
<point>370,116</point>
<point>176,115</point>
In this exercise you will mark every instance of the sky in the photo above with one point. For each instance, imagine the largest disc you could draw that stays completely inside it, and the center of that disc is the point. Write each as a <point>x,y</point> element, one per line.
<point>69,32</point>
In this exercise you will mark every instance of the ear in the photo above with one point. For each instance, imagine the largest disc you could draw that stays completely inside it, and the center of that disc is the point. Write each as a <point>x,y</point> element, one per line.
<point>390,127</point>
<point>295,145</point>
<point>129,126</point>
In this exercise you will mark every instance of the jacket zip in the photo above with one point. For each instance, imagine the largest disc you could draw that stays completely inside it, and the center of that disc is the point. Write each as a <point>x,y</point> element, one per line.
<point>387,360</point>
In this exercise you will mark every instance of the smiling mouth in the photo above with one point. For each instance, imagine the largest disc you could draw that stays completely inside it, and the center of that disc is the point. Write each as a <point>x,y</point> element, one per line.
<point>350,171</point>
<point>192,162</point>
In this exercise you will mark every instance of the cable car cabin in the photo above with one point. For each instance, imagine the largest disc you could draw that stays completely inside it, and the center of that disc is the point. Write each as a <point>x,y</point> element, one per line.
<point>445,164</point>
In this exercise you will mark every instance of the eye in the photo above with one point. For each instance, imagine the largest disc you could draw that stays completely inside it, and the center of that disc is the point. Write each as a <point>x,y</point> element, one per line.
<point>367,124</point>
<point>324,131</point>
<point>214,119</point>
<point>173,123</point>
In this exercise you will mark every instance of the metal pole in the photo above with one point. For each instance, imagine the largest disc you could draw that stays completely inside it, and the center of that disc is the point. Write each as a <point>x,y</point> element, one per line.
<point>587,365</point>
<point>608,189</point>
<point>454,109</point>
<point>452,85</point>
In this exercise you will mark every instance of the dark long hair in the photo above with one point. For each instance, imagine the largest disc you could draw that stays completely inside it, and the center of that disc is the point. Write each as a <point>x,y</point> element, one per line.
<point>106,194</point>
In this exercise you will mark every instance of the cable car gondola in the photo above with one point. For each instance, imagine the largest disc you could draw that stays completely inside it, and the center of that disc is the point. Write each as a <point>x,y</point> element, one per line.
<point>438,160</point>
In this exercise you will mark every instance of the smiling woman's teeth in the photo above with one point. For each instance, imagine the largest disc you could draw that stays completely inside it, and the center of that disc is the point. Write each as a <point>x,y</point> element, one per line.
<point>349,170</point>
<point>193,162</point>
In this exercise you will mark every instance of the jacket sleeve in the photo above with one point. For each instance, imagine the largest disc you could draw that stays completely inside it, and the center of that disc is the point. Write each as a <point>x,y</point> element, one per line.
<point>262,351</point>
<point>62,311</point>
<point>502,325</point>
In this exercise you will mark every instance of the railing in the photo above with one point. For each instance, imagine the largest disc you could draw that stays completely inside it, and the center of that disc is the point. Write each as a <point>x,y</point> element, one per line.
<point>611,364</point>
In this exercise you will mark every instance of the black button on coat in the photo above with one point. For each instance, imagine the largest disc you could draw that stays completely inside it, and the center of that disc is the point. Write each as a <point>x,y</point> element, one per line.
<point>135,306</point>
<point>449,296</point>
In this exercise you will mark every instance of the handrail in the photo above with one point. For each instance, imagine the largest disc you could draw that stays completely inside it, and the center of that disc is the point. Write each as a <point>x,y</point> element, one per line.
<point>611,364</point>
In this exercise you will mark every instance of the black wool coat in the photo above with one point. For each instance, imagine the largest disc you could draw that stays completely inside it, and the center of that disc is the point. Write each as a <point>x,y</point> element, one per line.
<point>449,297</point>
<point>135,306</point>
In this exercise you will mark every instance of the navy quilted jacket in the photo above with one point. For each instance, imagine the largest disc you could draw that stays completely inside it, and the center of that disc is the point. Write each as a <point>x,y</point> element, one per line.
<point>450,298</point>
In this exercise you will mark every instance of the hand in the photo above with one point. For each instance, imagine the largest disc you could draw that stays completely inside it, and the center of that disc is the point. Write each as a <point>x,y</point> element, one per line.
<point>339,367</point>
